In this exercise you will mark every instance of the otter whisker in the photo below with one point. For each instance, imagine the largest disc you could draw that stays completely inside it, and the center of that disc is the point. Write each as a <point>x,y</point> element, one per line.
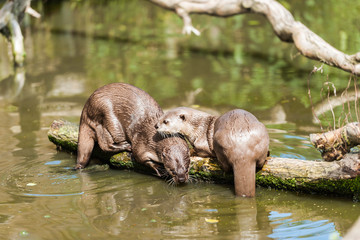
<point>191,179</point>
<point>163,135</point>
<point>164,174</point>
<point>171,134</point>
<point>170,182</point>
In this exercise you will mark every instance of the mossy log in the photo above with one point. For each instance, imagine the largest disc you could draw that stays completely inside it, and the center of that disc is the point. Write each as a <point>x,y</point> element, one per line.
<point>333,145</point>
<point>338,177</point>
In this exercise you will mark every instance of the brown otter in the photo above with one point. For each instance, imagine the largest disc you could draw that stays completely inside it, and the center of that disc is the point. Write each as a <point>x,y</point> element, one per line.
<point>121,117</point>
<point>237,139</point>
<point>175,155</point>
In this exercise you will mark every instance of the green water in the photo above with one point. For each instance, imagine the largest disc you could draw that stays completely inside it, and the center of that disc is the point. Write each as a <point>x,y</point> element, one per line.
<point>79,46</point>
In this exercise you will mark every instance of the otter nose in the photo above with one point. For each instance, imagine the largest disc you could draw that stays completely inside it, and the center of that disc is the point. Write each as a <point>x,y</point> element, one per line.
<point>181,179</point>
<point>156,126</point>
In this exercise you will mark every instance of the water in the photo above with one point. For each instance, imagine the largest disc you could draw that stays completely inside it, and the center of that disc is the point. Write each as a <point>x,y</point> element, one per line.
<point>41,197</point>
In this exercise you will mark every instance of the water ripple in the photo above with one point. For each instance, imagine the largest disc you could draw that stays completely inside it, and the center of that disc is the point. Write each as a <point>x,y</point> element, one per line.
<point>304,229</point>
<point>52,195</point>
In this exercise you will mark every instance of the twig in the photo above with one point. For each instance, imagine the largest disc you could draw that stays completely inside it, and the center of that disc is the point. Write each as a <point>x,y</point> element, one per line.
<point>309,93</point>
<point>355,102</point>
<point>32,12</point>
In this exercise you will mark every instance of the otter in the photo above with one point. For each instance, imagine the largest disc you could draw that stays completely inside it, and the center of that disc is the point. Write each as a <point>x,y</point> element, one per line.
<point>121,117</point>
<point>174,153</point>
<point>237,139</point>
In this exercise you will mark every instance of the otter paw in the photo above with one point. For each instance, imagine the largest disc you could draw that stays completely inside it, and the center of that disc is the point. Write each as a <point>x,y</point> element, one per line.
<point>79,166</point>
<point>120,147</point>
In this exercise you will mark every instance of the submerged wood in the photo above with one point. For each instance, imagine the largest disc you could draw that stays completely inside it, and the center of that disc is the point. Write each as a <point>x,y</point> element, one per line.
<point>338,177</point>
<point>11,14</point>
<point>282,21</point>
<point>333,145</point>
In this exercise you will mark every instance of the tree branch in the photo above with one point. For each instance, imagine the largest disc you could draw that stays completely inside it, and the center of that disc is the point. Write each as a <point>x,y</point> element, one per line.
<point>11,15</point>
<point>333,145</point>
<point>284,25</point>
<point>16,41</point>
<point>32,12</point>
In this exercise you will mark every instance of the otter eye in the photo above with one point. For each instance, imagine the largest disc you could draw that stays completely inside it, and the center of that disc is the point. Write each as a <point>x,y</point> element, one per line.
<point>165,121</point>
<point>182,116</point>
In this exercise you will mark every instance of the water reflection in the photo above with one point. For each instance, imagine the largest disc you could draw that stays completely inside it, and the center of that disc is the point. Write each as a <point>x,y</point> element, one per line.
<point>285,228</point>
<point>140,206</point>
<point>41,197</point>
<point>147,204</point>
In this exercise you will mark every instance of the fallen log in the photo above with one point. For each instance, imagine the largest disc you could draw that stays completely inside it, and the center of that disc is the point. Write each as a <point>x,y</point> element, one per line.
<point>338,177</point>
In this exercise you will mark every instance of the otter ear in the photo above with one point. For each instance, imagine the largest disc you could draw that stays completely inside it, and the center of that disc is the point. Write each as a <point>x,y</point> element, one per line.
<point>182,116</point>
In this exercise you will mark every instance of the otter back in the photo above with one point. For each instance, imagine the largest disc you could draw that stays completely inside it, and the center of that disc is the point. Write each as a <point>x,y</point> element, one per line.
<point>121,117</point>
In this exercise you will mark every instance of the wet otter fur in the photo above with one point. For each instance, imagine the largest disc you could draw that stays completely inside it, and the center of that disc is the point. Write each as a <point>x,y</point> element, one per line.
<point>174,153</point>
<point>237,139</point>
<point>121,117</point>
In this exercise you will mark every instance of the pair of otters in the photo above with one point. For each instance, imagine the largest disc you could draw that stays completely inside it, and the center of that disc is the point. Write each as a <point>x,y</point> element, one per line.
<point>121,117</point>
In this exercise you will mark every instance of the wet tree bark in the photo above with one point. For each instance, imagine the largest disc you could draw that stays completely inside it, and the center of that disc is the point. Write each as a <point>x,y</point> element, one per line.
<point>11,14</point>
<point>338,177</point>
<point>284,25</point>
<point>333,145</point>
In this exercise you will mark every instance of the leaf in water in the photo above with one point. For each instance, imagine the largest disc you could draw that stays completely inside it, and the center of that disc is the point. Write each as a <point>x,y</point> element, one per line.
<point>143,209</point>
<point>153,220</point>
<point>31,184</point>
<point>210,220</point>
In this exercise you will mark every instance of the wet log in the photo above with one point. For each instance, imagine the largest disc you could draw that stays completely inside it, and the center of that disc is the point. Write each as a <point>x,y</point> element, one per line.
<point>338,177</point>
<point>282,21</point>
<point>333,145</point>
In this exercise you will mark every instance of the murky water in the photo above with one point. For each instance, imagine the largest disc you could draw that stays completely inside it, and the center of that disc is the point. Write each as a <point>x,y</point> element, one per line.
<point>76,49</point>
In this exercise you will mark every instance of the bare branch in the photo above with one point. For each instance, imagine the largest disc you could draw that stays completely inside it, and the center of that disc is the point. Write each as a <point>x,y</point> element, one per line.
<point>17,41</point>
<point>32,12</point>
<point>284,25</point>
<point>11,15</point>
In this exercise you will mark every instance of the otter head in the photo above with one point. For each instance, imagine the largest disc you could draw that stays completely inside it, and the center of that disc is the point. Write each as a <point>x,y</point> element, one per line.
<point>175,155</point>
<point>177,120</point>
